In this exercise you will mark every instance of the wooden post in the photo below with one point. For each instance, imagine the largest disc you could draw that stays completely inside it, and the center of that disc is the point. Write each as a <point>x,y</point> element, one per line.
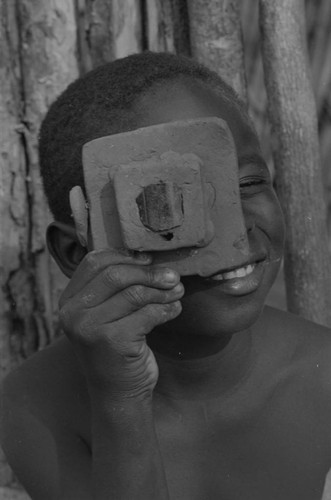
<point>107,30</point>
<point>298,173</point>
<point>216,39</point>
<point>167,26</point>
<point>48,65</point>
<point>159,29</point>
<point>13,199</point>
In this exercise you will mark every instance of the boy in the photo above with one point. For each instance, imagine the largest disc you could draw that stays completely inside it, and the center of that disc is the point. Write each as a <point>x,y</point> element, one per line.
<point>167,387</point>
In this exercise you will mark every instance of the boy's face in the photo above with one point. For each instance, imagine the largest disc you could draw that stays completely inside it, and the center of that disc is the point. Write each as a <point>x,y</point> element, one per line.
<point>227,302</point>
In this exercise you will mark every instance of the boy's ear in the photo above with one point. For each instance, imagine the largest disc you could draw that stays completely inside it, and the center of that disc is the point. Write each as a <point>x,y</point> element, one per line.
<point>64,246</point>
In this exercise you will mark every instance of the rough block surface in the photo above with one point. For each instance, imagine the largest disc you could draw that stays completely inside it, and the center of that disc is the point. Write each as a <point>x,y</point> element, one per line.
<point>145,154</point>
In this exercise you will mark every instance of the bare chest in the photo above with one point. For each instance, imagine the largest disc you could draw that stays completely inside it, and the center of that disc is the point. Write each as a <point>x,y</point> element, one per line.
<point>206,457</point>
<point>278,451</point>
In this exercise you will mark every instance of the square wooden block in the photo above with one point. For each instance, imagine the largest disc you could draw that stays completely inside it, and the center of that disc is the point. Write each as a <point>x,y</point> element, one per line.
<point>171,186</point>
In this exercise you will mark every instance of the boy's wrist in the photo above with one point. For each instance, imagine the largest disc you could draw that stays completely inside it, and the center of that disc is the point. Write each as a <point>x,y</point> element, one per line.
<point>120,406</point>
<point>125,445</point>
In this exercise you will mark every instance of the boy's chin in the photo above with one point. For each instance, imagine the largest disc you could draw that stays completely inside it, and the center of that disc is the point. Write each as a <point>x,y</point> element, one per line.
<point>216,320</point>
<point>240,323</point>
<point>215,309</point>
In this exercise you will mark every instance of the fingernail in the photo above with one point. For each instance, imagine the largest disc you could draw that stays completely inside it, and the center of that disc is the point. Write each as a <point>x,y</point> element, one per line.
<point>142,256</point>
<point>178,288</point>
<point>169,276</point>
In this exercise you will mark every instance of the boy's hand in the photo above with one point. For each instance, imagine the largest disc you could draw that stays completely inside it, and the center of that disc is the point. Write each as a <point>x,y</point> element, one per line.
<point>112,301</point>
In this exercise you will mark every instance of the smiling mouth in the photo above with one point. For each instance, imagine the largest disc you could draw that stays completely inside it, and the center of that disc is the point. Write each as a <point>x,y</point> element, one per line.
<point>239,272</point>
<point>238,281</point>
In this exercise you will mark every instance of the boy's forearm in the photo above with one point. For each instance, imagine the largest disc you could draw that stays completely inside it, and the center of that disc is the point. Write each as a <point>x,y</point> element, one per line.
<point>126,457</point>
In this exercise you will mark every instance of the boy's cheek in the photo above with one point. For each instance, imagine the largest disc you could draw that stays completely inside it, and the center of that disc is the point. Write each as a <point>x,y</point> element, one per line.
<point>266,212</point>
<point>274,228</point>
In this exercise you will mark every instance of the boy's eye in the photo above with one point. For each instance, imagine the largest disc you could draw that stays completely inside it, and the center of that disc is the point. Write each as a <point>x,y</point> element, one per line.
<point>252,185</point>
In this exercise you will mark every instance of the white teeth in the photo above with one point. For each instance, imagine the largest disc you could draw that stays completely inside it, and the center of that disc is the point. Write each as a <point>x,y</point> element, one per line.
<point>241,272</point>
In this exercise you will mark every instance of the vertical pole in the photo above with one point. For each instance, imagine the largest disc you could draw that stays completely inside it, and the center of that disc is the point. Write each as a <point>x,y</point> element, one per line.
<point>293,118</point>
<point>216,39</point>
<point>107,30</point>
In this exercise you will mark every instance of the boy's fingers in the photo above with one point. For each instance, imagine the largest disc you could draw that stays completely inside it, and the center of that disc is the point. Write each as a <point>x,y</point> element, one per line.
<point>127,302</point>
<point>128,330</point>
<point>86,329</point>
<point>114,279</point>
<point>95,262</point>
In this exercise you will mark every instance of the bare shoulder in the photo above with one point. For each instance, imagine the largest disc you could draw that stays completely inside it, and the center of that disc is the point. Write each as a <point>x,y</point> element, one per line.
<point>50,385</point>
<point>45,424</point>
<point>295,330</point>
<point>304,345</point>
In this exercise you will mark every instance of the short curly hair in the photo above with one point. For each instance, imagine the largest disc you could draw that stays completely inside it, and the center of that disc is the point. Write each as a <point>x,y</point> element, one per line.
<point>101,103</point>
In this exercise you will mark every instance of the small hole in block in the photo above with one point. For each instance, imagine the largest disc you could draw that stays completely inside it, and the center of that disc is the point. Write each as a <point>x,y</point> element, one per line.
<point>160,206</point>
<point>167,236</point>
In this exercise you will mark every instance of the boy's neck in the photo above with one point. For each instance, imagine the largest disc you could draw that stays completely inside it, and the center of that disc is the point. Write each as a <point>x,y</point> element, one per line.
<point>219,366</point>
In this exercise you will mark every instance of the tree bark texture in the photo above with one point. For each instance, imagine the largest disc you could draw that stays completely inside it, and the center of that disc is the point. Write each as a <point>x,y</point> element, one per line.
<point>292,113</point>
<point>107,30</point>
<point>39,40</point>
<point>160,30</point>
<point>216,39</point>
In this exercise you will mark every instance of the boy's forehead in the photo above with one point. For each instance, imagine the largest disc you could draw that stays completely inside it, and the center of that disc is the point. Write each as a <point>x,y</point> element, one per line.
<point>178,100</point>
